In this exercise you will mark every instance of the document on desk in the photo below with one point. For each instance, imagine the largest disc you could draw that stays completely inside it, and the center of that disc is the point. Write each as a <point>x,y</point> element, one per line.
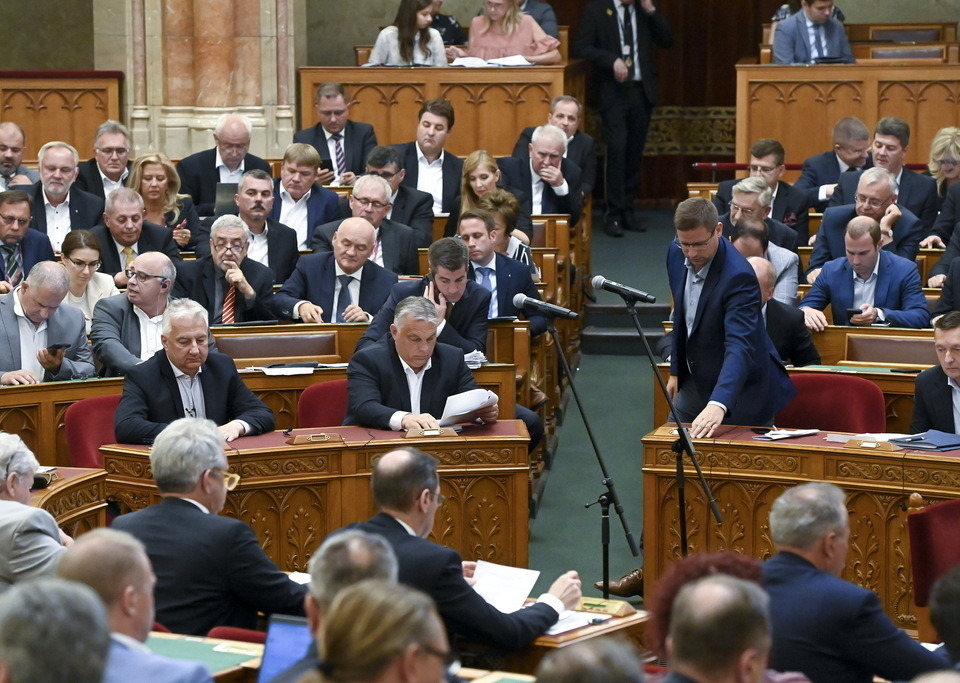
<point>459,406</point>
<point>506,588</point>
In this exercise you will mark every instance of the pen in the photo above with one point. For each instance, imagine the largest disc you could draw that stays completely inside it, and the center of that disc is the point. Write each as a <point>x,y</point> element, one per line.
<point>911,438</point>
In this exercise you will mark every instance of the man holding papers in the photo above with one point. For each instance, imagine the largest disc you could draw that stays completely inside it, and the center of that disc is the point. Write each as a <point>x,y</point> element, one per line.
<point>937,393</point>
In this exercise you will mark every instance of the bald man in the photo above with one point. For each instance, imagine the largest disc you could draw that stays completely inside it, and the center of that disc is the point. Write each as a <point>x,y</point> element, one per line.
<point>784,323</point>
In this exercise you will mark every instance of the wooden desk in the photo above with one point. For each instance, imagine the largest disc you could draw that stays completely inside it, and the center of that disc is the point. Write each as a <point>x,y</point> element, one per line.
<point>77,500</point>
<point>832,342</point>
<point>240,663</point>
<point>293,496</point>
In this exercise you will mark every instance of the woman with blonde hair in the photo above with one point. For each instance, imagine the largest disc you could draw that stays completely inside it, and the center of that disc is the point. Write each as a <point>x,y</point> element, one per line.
<point>944,161</point>
<point>155,178</point>
<point>410,41</point>
<point>481,175</point>
<point>502,30</point>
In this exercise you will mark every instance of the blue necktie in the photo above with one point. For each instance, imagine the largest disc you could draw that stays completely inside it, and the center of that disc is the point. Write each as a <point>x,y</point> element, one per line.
<point>485,277</point>
<point>344,299</point>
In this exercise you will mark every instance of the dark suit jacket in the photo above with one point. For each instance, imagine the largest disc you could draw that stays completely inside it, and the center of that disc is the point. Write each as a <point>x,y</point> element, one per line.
<point>397,241</point>
<point>514,278</point>
<point>152,238</point>
<point>215,574</point>
<point>151,399</point>
<point>932,402</point>
<point>949,217</point>
<point>950,294</point>
<point>466,325</point>
<point>410,207</point>
<point>89,180</point>
<point>314,280</point>
<point>790,206</point>
<point>358,140</point>
<point>34,247</point>
<point>86,210</point>
<point>437,571</point>
<point>835,631</point>
<point>732,356</point>
<point>321,207</point>
<point>821,169</point>
<point>777,232</point>
<point>452,172</point>
<point>517,173</point>
<point>898,291</point>
<point>544,15</point>
<point>282,250</point>
<point>199,177</point>
<point>581,150</point>
<point>917,192</point>
<point>830,243</point>
<point>197,280</point>
<point>791,44</point>
<point>790,335</point>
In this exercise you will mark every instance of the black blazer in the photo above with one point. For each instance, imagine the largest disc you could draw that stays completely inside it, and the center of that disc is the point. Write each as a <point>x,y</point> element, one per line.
<point>151,399</point>
<point>777,232</point>
<point>211,570</point>
<point>199,177</point>
<point>314,280</point>
<point>517,173</point>
<point>514,278</point>
<point>581,150</point>
<point>821,169</point>
<point>358,140</point>
<point>452,171</point>
<point>790,206</point>
<point>948,220</point>
<point>197,280</point>
<point>86,210</point>
<point>437,571</point>
<point>790,335</point>
<point>932,402</point>
<point>282,250</point>
<point>397,241</point>
<point>321,207</point>
<point>89,180</point>
<point>918,193</point>
<point>466,325</point>
<point>152,238</point>
<point>950,294</point>
<point>410,207</point>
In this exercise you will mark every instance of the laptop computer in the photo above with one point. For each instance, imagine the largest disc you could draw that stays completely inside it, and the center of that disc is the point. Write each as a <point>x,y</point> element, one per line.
<point>288,639</point>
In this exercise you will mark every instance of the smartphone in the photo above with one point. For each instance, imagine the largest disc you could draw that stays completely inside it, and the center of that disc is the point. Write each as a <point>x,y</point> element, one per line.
<point>53,348</point>
<point>327,165</point>
<point>852,312</point>
<point>436,294</point>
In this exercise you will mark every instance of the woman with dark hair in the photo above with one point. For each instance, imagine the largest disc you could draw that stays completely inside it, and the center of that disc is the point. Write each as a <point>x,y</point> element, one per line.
<point>410,41</point>
<point>80,255</point>
<point>155,178</point>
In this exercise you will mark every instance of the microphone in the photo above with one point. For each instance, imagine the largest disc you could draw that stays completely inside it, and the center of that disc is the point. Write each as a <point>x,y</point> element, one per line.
<point>628,293</point>
<point>524,302</point>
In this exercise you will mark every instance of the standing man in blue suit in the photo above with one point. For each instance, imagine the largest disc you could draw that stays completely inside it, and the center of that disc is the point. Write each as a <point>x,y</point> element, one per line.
<point>723,367</point>
<point>811,34</point>
<point>20,247</point>
<point>299,201</point>
<point>822,172</point>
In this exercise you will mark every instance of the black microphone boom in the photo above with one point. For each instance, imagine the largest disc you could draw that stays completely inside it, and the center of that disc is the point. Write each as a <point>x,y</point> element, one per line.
<point>524,302</point>
<point>628,293</point>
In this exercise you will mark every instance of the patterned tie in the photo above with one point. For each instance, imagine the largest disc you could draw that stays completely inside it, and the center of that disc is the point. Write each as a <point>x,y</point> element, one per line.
<point>128,256</point>
<point>229,303</point>
<point>341,159</point>
<point>344,299</point>
<point>13,266</point>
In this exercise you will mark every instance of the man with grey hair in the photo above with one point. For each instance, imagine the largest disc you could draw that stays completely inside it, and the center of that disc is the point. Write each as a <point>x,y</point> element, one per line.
<point>44,341</point>
<point>108,169</point>
<point>233,288</point>
<point>52,630</point>
<point>829,629</point>
<point>224,163</point>
<point>30,540</point>
<point>13,142</point>
<point>115,565</point>
<point>211,570</point>
<point>403,381</point>
<point>183,380</point>
<point>752,198</point>
<point>876,198</point>
<point>125,329</point>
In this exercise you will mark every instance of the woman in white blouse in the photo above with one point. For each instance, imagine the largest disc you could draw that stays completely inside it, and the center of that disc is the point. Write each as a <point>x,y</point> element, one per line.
<point>410,41</point>
<point>80,255</point>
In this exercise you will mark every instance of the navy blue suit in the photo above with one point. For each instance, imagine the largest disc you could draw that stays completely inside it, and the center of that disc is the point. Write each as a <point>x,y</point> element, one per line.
<point>917,192</point>
<point>34,247</point>
<point>932,402</point>
<point>728,355</point>
<point>199,177</point>
<point>835,631</point>
<point>358,140</point>
<point>821,169</point>
<point>452,171</point>
<point>898,291</point>
<point>830,244</point>
<point>517,173</point>
<point>398,243</point>
<point>321,207</point>
<point>514,278</point>
<point>790,207</point>
<point>314,280</point>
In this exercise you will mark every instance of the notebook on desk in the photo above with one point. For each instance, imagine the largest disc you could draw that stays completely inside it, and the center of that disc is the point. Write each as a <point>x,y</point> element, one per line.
<point>288,639</point>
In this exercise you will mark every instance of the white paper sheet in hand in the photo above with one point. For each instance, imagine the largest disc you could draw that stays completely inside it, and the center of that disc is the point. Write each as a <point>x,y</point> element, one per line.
<point>460,405</point>
<point>506,588</point>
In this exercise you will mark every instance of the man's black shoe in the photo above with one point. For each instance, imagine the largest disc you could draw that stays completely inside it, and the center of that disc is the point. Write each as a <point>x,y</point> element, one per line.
<point>613,228</point>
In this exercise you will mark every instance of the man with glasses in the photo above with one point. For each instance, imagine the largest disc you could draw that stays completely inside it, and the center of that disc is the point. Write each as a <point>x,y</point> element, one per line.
<point>299,201</point>
<point>110,166</point>
<point>183,380</point>
<point>877,197</point>
<point>751,199</point>
<point>210,568</point>
<point>233,288</point>
<point>20,247</point>
<point>125,330</point>
<point>12,145</point>
<point>394,244</point>
<point>822,172</point>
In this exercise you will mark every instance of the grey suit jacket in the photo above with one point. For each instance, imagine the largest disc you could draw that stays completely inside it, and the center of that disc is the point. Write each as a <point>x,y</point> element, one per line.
<point>791,43</point>
<point>66,326</point>
<point>122,661</point>
<point>787,265</point>
<point>115,335</point>
<point>29,543</point>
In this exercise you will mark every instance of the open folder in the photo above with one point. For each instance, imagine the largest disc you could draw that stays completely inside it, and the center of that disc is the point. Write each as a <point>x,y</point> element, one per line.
<point>930,440</point>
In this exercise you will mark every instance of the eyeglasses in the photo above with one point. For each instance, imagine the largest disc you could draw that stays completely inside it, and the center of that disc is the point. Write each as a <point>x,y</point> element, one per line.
<point>449,658</point>
<point>113,151</point>
<point>10,220</point>
<point>230,479</point>
<point>234,248</point>
<point>140,277</point>
<point>364,202</point>
<point>387,175</point>
<point>949,163</point>
<point>688,246</point>
<point>83,265</point>
<point>871,202</point>
<point>754,168</point>
<point>745,212</point>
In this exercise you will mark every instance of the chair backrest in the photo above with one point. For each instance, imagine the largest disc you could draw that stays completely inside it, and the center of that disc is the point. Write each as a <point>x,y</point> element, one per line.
<point>244,635</point>
<point>884,349</point>
<point>88,424</point>
<point>834,402</point>
<point>263,349</point>
<point>323,404</point>
<point>933,532</point>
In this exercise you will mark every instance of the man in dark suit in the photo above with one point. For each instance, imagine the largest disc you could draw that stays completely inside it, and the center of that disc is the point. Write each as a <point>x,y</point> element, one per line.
<point>723,367</point>
<point>625,90</point>
<point>299,202</point>
<point>124,234</point>
<point>211,570</point>
<point>917,192</point>
<point>841,635</point>
<point>751,238</point>
<point>225,163</point>
<point>946,233</point>
<point>449,286</point>
<point>751,199</point>
<point>950,294</point>
<point>230,286</point>
<point>784,323</point>
<point>566,113</point>
<point>543,14</point>
<point>343,145</point>
<point>110,166</point>
<point>821,173</point>
<point>814,24</point>
<point>394,245</point>
<point>886,288</point>
<point>551,181</point>
<point>13,142</point>
<point>316,292</point>
<point>20,247</point>
<point>936,386</point>
<point>183,380</point>
<point>789,205</point>
<point>876,198</point>
<point>427,166</point>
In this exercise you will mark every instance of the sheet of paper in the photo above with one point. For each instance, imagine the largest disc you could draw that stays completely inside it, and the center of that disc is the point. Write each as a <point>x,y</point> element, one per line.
<point>571,620</point>
<point>300,577</point>
<point>460,405</point>
<point>777,434</point>
<point>469,62</point>
<point>285,372</point>
<point>506,588</point>
<point>513,60</point>
<point>880,437</point>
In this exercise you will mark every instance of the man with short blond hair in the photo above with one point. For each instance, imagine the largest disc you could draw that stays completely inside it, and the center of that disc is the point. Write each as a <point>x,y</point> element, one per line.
<point>299,201</point>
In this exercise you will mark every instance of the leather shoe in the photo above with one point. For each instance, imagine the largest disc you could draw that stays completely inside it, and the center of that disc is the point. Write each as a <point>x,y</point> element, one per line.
<point>613,227</point>
<point>631,223</point>
<point>626,586</point>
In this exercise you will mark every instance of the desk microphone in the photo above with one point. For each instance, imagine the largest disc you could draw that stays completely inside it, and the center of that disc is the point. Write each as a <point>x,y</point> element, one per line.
<point>522,301</point>
<point>628,293</point>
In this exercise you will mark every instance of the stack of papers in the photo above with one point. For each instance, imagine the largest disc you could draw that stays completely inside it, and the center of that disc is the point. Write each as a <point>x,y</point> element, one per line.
<point>477,62</point>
